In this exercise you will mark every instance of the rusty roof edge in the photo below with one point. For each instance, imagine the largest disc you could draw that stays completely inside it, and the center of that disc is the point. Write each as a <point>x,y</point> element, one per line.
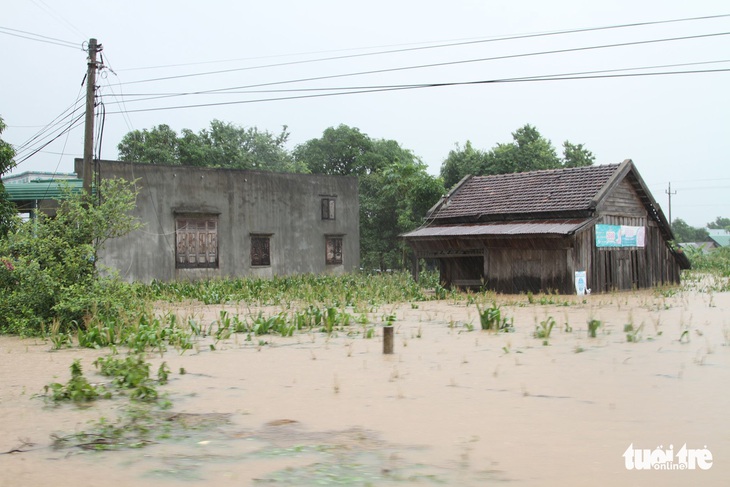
<point>462,230</point>
<point>587,223</point>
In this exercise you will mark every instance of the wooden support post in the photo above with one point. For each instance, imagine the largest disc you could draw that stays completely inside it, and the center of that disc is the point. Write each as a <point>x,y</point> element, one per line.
<point>387,340</point>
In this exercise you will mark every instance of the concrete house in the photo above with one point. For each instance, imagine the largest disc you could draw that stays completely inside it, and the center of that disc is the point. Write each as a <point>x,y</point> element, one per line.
<point>563,230</point>
<point>209,223</point>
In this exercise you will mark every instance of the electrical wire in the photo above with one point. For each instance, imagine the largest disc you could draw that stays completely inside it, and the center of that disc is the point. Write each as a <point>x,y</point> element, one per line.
<point>74,124</point>
<point>452,63</point>
<point>37,37</point>
<point>59,119</point>
<point>156,96</point>
<point>421,86</point>
<point>57,16</point>
<point>498,39</point>
<point>121,95</point>
<point>63,151</point>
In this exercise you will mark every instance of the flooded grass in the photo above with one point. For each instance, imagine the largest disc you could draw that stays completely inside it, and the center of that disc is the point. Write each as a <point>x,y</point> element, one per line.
<point>454,405</point>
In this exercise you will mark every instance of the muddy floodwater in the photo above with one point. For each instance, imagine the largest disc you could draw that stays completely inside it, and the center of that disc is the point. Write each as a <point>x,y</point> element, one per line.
<point>454,405</point>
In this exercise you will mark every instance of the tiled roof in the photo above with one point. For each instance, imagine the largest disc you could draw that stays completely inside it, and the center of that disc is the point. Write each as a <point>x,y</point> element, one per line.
<point>552,190</point>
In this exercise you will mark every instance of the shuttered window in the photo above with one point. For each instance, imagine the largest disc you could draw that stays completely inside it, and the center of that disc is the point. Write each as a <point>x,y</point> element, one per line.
<point>261,250</point>
<point>328,208</point>
<point>196,241</point>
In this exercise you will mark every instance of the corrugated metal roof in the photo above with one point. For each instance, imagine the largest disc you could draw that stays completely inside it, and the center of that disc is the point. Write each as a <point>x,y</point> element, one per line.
<point>721,240</point>
<point>535,227</point>
<point>41,190</point>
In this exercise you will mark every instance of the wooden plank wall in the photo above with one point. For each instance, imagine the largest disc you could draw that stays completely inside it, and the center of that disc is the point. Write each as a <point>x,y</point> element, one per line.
<point>611,269</point>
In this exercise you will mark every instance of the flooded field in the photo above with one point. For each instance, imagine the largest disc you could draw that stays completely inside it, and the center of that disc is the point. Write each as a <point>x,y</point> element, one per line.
<point>454,405</point>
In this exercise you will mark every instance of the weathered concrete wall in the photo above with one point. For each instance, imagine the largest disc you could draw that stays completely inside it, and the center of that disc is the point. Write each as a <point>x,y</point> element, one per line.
<point>285,206</point>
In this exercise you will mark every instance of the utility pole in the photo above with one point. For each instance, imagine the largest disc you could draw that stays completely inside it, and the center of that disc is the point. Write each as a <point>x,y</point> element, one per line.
<point>670,193</point>
<point>88,169</point>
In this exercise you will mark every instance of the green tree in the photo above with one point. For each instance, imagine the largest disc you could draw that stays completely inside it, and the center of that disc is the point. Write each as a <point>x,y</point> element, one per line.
<point>155,146</point>
<point>528,151</point>
<point>683,232</point>
<point>7,209</point>
<point>575,155</point>
<point>395,189</point>
<point>341,151</point>
<point>223,144</point>
<point>460,162</point>
<point>47,266</point>
<point>393,201</point>
<point>720,223</point>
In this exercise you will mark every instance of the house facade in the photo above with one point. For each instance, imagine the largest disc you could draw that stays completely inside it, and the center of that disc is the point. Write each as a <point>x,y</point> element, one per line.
<point>204,223</point>
<point>551,231</point>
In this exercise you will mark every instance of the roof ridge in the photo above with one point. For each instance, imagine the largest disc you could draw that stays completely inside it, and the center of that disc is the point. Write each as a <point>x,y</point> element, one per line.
<point>553,170</point>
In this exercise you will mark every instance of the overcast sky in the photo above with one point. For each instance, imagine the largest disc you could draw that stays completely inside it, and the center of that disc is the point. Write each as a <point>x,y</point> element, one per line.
<point>675,127</point>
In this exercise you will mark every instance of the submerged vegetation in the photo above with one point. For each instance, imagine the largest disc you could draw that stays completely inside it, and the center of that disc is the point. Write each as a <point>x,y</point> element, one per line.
<point>338,291</point>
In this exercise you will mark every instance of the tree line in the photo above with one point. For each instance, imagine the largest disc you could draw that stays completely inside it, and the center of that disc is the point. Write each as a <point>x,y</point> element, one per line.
<point>395,188</point>
<point>684,232</point>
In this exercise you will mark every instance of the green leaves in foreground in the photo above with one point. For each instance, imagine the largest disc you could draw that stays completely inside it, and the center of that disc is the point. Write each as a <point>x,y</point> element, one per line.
<point>77,389</point>
<point>131,373</point>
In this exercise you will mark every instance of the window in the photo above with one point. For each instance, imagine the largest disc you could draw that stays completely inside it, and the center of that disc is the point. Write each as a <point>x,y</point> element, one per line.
<point>196,242</point>
<point>260,250</point>
<point>334,250</point>
<point>328,208</point>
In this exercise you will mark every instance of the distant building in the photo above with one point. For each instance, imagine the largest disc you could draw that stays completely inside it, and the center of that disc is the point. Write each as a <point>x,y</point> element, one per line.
<point>541,230</point>
<point>35,176</point>
<point>720,237</point>
<point>33,194</point>
<point>705,247</point>
<point>215,223</point>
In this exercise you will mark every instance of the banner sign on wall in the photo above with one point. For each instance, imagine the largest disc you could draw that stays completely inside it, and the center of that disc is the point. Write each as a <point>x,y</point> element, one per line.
<point>580,283</point>
<point>619,236</point>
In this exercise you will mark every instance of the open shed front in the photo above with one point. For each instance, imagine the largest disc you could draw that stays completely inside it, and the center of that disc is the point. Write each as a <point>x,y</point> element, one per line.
<point>504,265</point>
<point>544,263</point>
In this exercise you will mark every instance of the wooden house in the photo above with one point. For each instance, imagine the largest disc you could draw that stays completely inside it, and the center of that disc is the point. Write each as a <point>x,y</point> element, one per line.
<point>558,230</point>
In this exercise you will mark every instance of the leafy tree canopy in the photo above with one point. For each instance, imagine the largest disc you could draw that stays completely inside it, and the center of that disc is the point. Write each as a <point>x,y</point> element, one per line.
<point>341,151</point>
<point>720,223</point>
<point>223,144</point>
<point>528,151</point>
<point>683,232</point>
<point>395,189</point>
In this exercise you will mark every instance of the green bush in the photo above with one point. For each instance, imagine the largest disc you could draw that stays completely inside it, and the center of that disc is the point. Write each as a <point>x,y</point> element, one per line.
<point>716,261</point>
<point>48,265</point>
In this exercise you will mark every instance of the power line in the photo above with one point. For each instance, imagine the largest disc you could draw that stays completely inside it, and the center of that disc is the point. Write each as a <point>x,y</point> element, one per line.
<point>228,91</point>
<point>454,44</point>
<point>58,17</point>
<point>451,63</point>
<point>74,124</point>
<point>38,37</point>
<point>420,86</point>
<point>53,123</point>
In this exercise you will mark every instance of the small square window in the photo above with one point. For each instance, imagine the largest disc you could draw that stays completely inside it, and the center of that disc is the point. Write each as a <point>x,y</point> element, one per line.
<point>328,208</point>
<point>334,250</point>
<point>260,250</point>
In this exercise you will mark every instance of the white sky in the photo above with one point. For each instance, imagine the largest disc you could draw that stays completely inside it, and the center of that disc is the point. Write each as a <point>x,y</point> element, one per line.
<point>675,128</point>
